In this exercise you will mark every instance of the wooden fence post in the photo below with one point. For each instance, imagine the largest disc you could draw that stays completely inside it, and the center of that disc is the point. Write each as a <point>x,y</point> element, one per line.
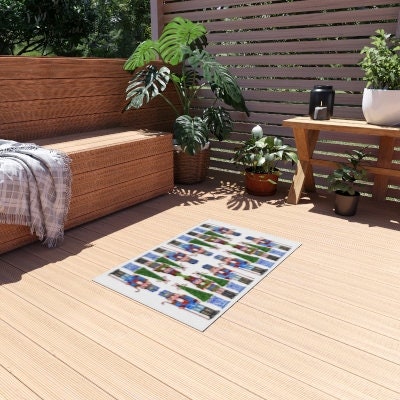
<point>157,18</point>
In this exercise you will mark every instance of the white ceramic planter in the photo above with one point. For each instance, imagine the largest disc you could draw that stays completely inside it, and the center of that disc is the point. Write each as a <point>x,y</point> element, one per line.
<point>381,107</point>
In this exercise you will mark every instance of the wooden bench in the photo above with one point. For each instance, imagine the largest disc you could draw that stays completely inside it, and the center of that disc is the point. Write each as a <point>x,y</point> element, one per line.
<point>306,133</point>
<point>118,159</point>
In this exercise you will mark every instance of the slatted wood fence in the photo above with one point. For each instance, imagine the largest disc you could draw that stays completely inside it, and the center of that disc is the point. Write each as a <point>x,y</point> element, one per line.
<point>279,50</point>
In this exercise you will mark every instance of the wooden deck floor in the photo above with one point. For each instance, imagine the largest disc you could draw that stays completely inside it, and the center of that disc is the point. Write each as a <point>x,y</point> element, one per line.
<point>323,325</point>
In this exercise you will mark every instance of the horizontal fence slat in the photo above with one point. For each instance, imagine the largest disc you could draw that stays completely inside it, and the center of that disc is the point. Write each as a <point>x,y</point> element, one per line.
<point>66,67</point>
<point>292,59</point>
<point>298,72</point>
<point>304,46</point>
<point>223,9</point>
<point>27,89</point>
<point>309,32</point>
<point>299,19</point>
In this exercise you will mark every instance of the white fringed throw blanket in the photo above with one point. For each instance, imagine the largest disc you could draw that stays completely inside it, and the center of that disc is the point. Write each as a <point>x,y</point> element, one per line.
<point>35,189</point>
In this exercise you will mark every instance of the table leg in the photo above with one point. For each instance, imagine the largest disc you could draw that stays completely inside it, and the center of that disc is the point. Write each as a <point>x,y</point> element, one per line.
<point>385,156</point>
<point>306,141</point>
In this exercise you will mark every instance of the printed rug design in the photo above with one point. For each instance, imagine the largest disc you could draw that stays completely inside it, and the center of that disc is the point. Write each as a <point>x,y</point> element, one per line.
<point>198,275</point>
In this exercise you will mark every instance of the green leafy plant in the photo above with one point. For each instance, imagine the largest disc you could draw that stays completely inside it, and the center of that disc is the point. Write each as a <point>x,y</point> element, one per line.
<point>189,67</point>
<point>381,62</point>
<point>345,178</point>
<point>261,154</point>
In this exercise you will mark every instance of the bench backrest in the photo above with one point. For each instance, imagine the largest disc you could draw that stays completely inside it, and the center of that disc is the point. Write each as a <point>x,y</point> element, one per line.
<point>51,96</point>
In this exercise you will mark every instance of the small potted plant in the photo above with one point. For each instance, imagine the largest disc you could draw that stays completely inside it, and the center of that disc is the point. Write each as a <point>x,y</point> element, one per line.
<point>344,180</point>
<point>189,67</point>
<point>259,155</point>
<point>381,66</point>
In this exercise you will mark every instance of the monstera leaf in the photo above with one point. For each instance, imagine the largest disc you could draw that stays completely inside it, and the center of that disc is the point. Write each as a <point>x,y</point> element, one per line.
<point>146,85</point>
<point>222,82</point>
<point>218,121</point>
<point>146,52</point>
<point>191,133</point>
<point>178,33</point>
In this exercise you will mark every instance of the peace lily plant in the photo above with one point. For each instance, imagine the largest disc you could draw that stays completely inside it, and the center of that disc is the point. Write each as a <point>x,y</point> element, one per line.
<point>259,155</point>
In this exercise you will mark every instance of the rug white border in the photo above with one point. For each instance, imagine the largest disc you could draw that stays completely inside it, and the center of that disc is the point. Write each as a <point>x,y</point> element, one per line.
<point>218,303</point>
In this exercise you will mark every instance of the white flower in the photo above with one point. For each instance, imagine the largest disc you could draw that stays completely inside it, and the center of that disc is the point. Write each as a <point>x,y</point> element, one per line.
<point>257,132</point>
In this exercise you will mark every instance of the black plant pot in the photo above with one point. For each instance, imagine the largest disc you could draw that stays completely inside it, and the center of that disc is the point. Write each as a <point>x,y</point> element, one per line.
<point>346,204</point>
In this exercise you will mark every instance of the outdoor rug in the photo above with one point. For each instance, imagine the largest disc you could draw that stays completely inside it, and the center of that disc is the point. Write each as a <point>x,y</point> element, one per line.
<point>198,275</point>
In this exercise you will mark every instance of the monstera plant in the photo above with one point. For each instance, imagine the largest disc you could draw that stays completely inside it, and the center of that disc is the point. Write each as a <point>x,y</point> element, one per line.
<point>186,64</point>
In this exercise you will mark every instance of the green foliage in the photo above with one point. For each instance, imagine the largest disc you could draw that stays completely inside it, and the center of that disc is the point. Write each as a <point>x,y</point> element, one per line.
<point>146,51</point>
<point>222,82</point>
<point>345,178</point>
<point>12,30</point>
<point>381,62</point>
<point>176,35</point>
<point>100,28</point>
<point>119,25</point>
<point>261,154</point>
<point>147,84</point>
<point>218,121</point>
<point>47,26</point>
<point>190,133</point>
<point>181,48</point>
<point>179,32</point>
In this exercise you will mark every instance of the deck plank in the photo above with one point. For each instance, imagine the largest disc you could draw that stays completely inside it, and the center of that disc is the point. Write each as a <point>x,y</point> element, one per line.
<point>324,325</point>
<point>41,371</point>
<point>114,374</point>
<point>12,388</point>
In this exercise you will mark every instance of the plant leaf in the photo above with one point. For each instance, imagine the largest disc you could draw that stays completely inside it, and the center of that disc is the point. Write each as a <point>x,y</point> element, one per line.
<point>178,33</point>
<point>221,81</point>
<point>146,52</point>
<point>218,121</point>
<point>190,133</point>
<point>146,85</point>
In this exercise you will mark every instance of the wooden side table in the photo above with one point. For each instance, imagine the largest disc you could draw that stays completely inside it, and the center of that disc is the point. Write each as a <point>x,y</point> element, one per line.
<point>306,133</point>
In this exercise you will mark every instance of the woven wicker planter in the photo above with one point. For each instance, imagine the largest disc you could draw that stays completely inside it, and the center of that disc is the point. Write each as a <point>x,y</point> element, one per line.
<point>191,169</point>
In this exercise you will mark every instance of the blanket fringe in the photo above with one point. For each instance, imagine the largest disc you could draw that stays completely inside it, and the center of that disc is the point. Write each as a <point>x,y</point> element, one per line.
<point>14,219</point>
<point>53,242</point>
<point>66,161</point>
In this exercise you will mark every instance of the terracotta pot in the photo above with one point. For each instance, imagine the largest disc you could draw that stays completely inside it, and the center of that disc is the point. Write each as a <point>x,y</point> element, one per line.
<point>345,204</point>
<point>260,184</point>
